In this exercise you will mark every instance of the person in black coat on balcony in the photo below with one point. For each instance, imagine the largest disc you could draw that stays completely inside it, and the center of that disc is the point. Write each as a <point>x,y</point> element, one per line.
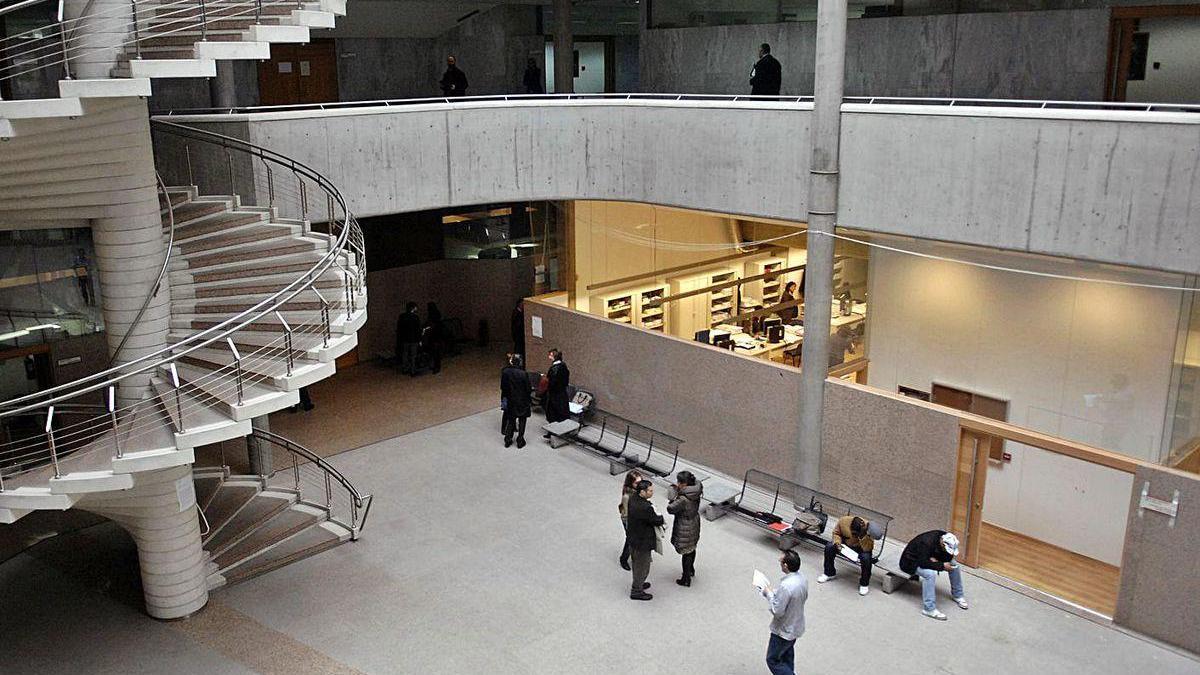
<point>516,399</point>
<point>557,402</point>
<point>454,81</point>
<point>534,82</point>
<point>433,337</point>
<point>767,75</point>
<point>408,339</point>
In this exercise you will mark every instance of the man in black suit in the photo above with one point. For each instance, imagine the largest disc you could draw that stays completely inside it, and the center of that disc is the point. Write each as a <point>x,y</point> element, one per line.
<point>454,81</point>
<point>516,397</point>
<point>408,338</point>
<point>767,74</point>
<point>641,535</point>
<point>557,403</point>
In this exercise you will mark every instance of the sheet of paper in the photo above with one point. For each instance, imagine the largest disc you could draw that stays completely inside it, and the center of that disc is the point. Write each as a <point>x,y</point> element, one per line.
<point>760,580</point>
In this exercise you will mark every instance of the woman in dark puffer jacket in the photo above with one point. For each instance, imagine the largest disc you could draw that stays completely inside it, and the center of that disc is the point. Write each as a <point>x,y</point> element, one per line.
<point>684,504</point>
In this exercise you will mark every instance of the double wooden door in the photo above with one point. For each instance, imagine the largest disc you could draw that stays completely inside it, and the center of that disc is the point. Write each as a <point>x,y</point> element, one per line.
<point>299,74</point>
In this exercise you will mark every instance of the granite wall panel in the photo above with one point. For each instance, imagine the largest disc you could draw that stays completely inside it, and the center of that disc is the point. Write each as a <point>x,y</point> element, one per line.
<point>736,413</point>
<point>1159,584</point>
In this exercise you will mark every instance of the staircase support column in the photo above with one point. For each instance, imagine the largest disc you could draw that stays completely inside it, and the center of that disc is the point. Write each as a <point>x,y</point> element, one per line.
<point>257,451</point>
<point>222,89</point>
<point>564,48</point>
<point>95,43</point>
<point>159,512</point>
<point>130,248</point>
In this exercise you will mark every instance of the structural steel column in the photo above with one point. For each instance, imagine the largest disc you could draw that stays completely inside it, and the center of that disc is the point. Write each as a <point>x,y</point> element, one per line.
<point>222,89</point>
<point>822,217</point>
<point>564,49</point>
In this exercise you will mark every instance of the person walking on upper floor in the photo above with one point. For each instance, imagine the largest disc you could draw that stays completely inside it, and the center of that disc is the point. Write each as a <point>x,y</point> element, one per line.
<point>643,537</point>
<point>767,75</point>
<point>557,402</point>
<point>627,488</point>
<point>787,612</point>
<point>684,503</point>
<point>517,328</point>
<point>454,81</point>
<point>851,532</point>
<point>408,339</point>
<point>534,82</point>
<point>516,399</point>
<point>926,555</point>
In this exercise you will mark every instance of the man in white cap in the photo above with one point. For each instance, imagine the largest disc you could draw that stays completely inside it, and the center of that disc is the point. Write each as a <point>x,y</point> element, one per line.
<point>926,555</point>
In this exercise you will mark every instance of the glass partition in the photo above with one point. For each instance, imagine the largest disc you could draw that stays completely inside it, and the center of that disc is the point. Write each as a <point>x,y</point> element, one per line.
<point>48,286</point>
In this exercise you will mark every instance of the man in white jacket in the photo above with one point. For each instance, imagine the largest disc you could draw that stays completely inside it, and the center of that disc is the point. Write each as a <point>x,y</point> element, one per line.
<point>787,612</point>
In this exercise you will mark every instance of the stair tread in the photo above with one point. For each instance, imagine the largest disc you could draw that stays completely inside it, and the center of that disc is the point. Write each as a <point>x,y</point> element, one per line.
<point>206,487</point>
<point>281,526</point>
<point>256,229</point>
<point>223,389</point>
<point>257,511</point>
<point>193,210</point>
<point>230,498</point>
<point>258,363</point>
<point>308,542</point>
<point>185,232</point>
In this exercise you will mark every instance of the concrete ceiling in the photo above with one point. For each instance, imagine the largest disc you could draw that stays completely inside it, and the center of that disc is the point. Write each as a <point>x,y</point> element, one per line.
<point>431,18</point>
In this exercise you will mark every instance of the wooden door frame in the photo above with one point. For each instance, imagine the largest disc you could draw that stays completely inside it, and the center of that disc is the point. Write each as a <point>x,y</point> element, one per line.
<point>973,448</point>
<point>1123,23</point>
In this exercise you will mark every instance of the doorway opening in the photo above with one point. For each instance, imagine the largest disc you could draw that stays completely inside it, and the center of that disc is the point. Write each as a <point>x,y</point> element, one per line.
<point>1152,56</point>
<point>299,74</point>
<point>595,59</point>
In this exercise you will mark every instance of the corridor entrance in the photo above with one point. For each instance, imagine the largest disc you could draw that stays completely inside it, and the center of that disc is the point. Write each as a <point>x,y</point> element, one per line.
<point>299,74</point>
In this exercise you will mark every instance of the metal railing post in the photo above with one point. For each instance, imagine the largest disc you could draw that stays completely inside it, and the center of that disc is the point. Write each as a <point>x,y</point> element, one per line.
<point>1,480</point>
<point>187,155</point>
<point>237,364</point>
<point>353,513</point>
<point>329,207</point>
<point>62,41</point>
<point>328,492</point>
<point>287,337</point>
<point>324,314</point>
<point>112,415</point>
<point>178,395</point>
<point>303,199</point>
<point>229,167</point>
<point>270,188</point>
<point>296,470</point>
<point>258,11</point>
<point>203,22</point>
<point>50,439</point>
<point>349,298</point>
<point>137,37</point>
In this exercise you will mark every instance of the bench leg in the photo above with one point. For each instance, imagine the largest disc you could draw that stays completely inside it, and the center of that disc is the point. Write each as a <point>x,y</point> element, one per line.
<point>557,442</point>
<point>713,512</point>
<point>892,581</point>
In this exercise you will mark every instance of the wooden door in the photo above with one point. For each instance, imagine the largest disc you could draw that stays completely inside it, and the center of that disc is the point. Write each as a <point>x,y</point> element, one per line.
<point>971,402</point>
<point>299,74</point>
<point>966,521</point>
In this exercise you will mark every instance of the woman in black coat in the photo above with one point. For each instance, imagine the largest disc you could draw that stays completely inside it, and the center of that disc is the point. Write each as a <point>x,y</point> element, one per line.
<point>557,402</point>
<point>516,400</point>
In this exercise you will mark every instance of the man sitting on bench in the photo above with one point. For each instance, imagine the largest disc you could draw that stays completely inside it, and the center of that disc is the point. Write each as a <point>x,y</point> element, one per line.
<point>851,532</point>
<point>925,556</point>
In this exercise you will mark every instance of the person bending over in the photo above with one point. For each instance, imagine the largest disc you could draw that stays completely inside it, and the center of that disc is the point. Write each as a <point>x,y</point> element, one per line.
<point>926,555</point>
<point>851,532</point>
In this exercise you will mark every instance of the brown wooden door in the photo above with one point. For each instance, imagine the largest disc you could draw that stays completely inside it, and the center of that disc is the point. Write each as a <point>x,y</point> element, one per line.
<point>299,74</point>
<point>966,521</point>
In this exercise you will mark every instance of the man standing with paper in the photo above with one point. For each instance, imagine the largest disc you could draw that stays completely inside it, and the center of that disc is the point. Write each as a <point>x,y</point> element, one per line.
<point>787,611</point>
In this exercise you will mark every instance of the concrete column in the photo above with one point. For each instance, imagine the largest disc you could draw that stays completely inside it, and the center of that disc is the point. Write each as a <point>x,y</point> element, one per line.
<point>159,512</point>
<point>822,218</point>
<point>222,89</point>
<point>95,43</point>
<point>259,452</point>
<point>564,48</point>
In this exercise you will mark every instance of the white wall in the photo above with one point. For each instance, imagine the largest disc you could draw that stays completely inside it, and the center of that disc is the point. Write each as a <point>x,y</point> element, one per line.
<point>1175,44</point>
<point>1084,361</point>
<point>590,79</point>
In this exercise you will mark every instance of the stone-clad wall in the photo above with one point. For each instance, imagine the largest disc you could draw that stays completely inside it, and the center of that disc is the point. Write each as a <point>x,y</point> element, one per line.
<point>1039,55</point>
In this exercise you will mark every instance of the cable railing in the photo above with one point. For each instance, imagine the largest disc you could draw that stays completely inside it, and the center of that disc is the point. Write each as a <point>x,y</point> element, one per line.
<point>317,483</point>
<point>191,394</point>
<point>728,98</point>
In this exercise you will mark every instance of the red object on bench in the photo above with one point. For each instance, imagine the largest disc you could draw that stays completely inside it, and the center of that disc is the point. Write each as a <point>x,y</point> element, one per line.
<point>779,527</point>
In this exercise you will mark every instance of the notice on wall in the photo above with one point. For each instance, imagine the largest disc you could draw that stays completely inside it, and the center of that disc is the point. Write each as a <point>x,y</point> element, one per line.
<point>185,490</point>
<point>535,324</point>
<point>305,69</point>
<point>285,67</point>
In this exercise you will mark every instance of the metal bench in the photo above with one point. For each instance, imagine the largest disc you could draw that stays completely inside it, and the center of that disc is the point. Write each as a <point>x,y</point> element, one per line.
<point>625,444</point>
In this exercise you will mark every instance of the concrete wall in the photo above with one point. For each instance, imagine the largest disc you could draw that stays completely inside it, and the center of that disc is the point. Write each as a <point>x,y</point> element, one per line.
<point>469,290</point>
<point>1106,186</point>
<point>735,413</point>
<point>1159,584</point>
<point>1050,55</point>
<point>385,68</point>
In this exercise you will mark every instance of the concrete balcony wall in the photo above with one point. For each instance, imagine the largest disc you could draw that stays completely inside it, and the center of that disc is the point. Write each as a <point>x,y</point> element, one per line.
<point>1115,187</point>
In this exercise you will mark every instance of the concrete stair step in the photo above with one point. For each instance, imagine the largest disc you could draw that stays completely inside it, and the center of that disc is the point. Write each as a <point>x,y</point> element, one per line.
<point>238,50</point>
<point>263,368</point>
<point>257,398</point>
<point>237,236</point>
<point>194,210</point>
<point>231,497</point>
<point>308,542</point>
<point>339,323</point>
<point>218,9</point>
<point>202,423</point>
<point>252,255</point>
<point>214,224</point>
<point>180,67</point>
<point>261,290</point>
<point>104,88</point>
<point>292,264</point>
<point>261,508</point>
<point>294,519</point>
<point>187,39</point>
<point>309,344</point>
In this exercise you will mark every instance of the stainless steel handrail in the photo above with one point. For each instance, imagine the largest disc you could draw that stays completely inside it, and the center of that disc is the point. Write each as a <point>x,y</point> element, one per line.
<point>114,375</point>
<point>871,100</point>
<point>162,273</point>
<point>359,501</point>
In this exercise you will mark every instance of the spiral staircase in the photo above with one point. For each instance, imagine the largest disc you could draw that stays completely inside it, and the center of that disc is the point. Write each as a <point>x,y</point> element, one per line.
<point>228,305</point>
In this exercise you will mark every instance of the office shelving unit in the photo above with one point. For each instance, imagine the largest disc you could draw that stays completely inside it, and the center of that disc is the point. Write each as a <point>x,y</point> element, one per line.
<point>652,318</point>
<point>617,307</point>
<point>720,302</point>
<point>767,290</point>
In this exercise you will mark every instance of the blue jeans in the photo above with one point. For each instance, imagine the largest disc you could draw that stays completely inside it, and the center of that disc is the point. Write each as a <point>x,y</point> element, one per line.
<point>781,656</point>
<point>929,586</point>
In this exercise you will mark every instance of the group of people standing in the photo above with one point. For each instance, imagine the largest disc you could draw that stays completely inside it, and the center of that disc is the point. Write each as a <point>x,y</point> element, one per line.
<point>644,527</point>
<point>516,395</point>
<point>414,338</point>
<point>454,80</point>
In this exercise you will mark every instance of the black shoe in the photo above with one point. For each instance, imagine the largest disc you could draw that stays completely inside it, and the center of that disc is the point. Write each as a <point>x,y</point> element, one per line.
<point>625,565</point>
<point>684,581</point>
<point>546,436</point>
<point>645,585</point>
<point>641,596</point>
<point>507,442</point>
<point>520,443</point>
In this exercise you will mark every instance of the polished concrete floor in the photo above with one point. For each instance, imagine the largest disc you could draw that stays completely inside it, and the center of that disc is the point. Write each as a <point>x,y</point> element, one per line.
<point>478,558</point>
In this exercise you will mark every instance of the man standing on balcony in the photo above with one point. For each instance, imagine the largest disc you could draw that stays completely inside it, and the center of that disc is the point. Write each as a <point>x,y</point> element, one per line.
<point>454,81</point>
<point>408,339</point>
<point>767,75</point>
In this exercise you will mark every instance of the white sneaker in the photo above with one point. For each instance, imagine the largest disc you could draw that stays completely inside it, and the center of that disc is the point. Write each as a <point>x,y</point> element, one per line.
<point>934,614</point>
<point>962,602</point>
<point>863,590</point>
<point>822,579</point>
